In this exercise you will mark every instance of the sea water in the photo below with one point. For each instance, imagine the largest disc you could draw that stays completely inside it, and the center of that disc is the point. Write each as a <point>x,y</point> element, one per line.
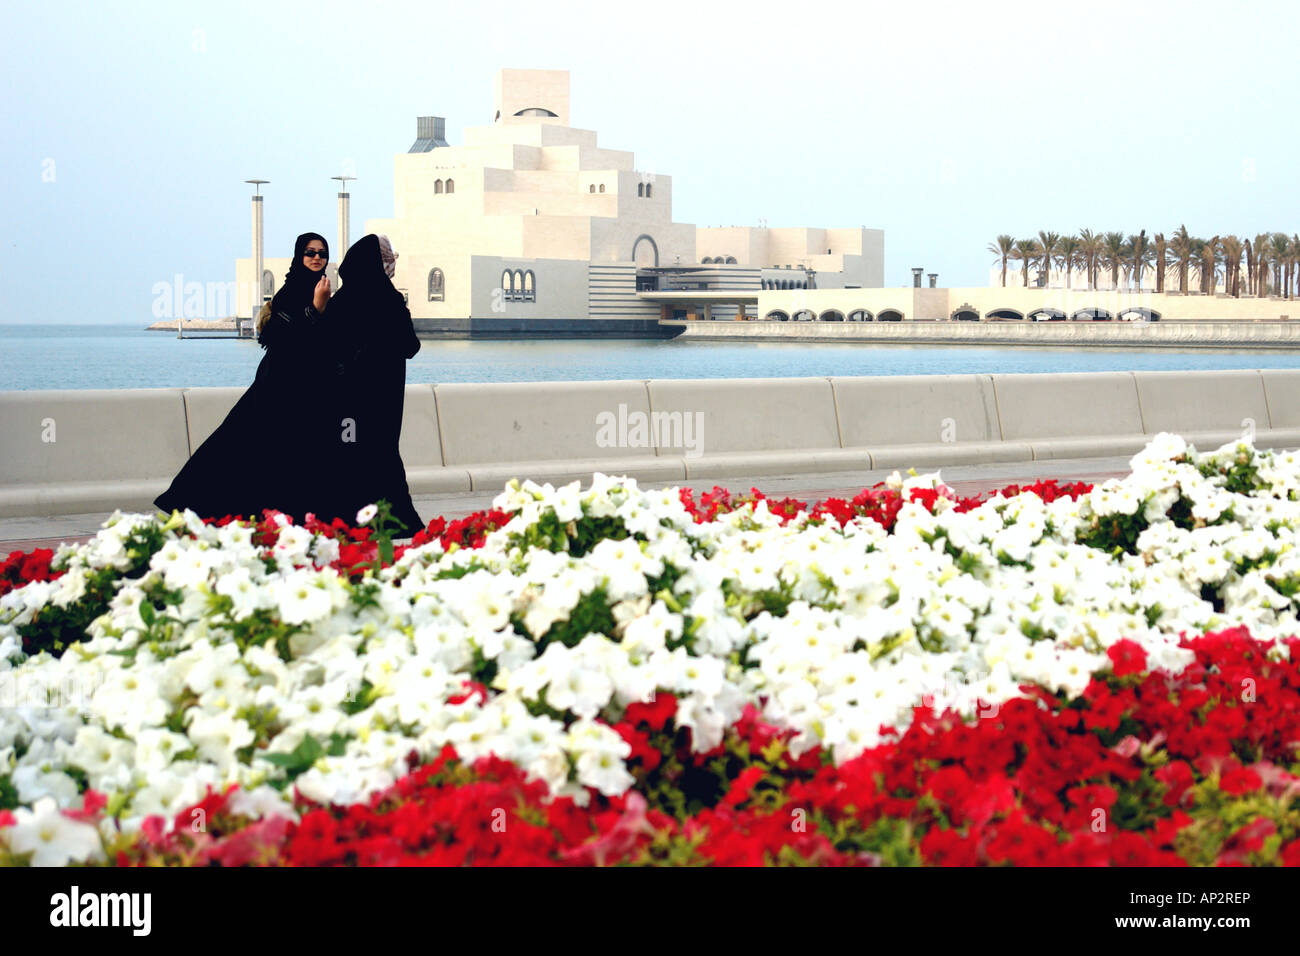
<point>128,356</point>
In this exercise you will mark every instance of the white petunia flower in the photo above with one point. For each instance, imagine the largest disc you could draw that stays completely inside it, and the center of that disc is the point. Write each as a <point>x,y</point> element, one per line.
<point>52,838</point>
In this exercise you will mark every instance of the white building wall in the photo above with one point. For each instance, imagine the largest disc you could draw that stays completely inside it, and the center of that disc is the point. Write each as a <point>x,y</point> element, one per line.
<point>534,188</point>
<point>560,288</point>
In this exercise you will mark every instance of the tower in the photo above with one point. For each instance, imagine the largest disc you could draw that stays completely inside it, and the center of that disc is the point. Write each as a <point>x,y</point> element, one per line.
<point>532,95</point>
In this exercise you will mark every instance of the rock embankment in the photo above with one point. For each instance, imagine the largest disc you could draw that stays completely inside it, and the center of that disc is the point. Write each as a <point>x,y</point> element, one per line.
<point>195,325</point>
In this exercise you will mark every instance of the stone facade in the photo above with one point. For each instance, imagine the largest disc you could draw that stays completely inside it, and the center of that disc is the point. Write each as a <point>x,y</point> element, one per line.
<point>530,198</point>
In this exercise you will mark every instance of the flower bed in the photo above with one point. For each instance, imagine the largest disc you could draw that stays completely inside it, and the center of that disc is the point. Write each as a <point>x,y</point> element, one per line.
<point>618,674</point>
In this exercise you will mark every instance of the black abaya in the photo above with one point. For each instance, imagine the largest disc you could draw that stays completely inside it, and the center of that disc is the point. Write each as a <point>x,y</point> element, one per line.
<point>373,336</point>
<point>271,449</point>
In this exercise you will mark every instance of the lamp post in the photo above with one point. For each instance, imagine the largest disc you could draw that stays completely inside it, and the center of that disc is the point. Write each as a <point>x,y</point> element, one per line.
<point>345,199</point>
<point>257,253</point>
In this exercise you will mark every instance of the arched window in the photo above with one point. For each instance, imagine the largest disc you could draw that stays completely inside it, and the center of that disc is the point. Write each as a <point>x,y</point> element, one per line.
<point>648,187</point>
<point>437,187</point>
<point>731,260</point>
<point>530,290</point>
<point>706,260</point>
<point>451,185</point>
<point>602,187</point>
<point>592,188</point>
<point>435,285</point>
<point>508,285</point>
<point>640,189</point>
<point>268,282</point>
<point>519,286</point>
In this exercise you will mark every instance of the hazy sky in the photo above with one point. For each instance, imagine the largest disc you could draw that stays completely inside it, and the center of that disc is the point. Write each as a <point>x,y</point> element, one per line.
<point>129,128</point>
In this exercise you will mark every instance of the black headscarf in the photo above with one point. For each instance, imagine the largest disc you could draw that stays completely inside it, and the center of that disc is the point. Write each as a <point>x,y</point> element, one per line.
<point>368,311</point>
<point>363,270</point>
<point>299,282</point>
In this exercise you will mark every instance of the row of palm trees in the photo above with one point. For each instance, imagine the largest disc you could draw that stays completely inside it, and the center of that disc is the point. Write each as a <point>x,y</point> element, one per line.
<point>1272,260</point>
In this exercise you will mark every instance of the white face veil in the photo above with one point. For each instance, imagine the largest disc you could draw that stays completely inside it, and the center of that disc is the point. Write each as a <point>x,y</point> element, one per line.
<point>389,257</point>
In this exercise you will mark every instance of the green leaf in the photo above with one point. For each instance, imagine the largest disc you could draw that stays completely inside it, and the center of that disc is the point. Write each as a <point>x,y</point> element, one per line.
<point>300,759</point>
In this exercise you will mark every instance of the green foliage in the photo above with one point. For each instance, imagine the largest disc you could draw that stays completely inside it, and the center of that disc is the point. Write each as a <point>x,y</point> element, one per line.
<point>1241,476</point>
<point>54,629</point>
<point>592,614</point>
<point>575,537</point>
<point>1114,534</point>
<point>8,794</point>
<point>303,757</point>
<point>891,841</point>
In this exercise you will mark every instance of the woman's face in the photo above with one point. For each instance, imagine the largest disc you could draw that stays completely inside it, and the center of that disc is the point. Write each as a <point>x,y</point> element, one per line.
<point>316,263</point>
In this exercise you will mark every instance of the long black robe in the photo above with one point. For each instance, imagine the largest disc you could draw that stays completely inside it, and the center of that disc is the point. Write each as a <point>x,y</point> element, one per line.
<point>271,450</point>
<point>373,336</point>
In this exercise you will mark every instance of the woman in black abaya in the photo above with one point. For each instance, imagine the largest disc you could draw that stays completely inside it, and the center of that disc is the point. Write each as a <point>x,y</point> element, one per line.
<point>373,337</point>
<point>270,452</point>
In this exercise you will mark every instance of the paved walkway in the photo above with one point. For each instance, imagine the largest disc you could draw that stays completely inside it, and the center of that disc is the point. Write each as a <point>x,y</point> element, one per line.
<point>24,534</point>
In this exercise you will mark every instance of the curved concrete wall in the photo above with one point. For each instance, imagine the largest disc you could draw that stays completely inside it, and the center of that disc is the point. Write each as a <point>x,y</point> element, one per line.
<point>64,452</point>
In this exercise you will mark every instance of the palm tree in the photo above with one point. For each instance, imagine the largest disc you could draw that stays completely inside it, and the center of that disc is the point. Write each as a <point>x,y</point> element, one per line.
<point>1295,260</point>
<point>1232,248</point>
<point>1089,254</point>
<point>1271,268</point>
<point>1047,250</point>
<point>1280,247</point>
<point>1263,249</point>
<point>1068,250</point>
<point>1004,248</point>
<point>1139,251</point>
<point>1112,254</point>
<point>1180,247</point>
<point>1288,268</point>
<point>1209,258</point>
<point>1026,252</point>
<point>1261,264</point>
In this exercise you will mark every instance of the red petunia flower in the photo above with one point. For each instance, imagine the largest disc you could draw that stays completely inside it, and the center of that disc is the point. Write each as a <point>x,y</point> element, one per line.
<point>1127,657</point>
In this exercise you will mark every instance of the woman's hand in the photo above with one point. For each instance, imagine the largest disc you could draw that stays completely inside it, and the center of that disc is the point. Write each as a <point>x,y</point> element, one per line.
<point>322,294</point>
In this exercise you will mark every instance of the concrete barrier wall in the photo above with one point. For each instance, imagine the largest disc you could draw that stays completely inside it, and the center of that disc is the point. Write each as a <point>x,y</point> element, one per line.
<point>65,452</point>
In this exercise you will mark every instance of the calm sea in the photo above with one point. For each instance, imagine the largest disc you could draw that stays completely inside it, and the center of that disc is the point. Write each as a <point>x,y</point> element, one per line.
<point>122,356</point>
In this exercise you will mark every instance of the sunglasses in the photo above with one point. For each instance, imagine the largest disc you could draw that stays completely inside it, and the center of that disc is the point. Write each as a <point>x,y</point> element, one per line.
<point>315,254</point>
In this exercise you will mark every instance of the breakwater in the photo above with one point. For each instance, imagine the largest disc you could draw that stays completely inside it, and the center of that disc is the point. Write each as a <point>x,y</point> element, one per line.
<point>1227,334</point>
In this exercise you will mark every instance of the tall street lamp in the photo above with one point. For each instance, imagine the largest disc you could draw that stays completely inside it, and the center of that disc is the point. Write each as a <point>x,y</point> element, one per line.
<point>344,200</point>
<point>257,185</point>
